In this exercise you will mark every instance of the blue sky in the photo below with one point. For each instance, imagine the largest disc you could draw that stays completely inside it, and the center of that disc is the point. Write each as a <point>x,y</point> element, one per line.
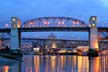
<point>29,9</point>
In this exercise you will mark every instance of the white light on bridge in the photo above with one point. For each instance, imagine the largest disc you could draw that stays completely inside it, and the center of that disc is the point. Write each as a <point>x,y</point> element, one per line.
<point>93,18</point>
<point>31,23</point>
<point>14,19</point>
<point>75,22</point>
<point>93,25</point>
<point>46,22</point>
<point>61,22</point>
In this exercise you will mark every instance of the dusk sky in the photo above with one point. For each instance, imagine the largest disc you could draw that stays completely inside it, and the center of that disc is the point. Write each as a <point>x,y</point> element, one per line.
<point>29,9</point>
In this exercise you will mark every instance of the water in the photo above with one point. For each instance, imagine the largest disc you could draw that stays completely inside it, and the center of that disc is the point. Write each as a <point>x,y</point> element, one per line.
<point>60,63</point>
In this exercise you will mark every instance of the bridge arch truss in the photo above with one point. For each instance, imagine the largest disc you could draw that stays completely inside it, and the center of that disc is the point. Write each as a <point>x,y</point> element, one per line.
<point>53,22</point>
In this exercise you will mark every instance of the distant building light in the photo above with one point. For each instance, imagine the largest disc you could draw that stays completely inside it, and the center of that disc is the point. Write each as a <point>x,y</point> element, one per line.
<point>103,52</point>
<point>36,49</point>
<point>74,50</point>
<point>89,25</point>
<point>105,40</point>
<point>6,25</point>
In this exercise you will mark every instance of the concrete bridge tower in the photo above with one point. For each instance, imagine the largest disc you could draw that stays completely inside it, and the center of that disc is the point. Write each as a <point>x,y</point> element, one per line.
<point>93,33</point>
<point>14,40</point>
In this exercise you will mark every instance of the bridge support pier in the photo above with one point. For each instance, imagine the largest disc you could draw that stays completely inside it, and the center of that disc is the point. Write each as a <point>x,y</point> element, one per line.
<point>14,40</point>
<point>93,49</point>
<point>19,37</point>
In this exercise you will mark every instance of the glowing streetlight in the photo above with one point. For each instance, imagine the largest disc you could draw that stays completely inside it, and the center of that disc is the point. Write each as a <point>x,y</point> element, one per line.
<point>93,25</point>
<point>19,23</point>
<point>46,23</point>
<point>13,19</point>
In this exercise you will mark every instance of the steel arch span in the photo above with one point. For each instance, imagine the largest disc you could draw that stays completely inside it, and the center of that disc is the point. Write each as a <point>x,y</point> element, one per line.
<point>53,22</point>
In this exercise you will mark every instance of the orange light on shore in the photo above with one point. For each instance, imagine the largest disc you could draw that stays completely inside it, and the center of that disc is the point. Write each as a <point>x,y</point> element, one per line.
<point>96,44</point>
<point>6,69</point>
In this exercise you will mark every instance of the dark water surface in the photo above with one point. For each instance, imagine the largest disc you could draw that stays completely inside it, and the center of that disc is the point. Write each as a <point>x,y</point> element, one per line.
<point>36,63</point>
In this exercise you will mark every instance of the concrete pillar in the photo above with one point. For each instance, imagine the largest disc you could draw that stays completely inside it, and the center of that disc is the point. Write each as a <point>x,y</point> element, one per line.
<point>93,33</point>
<point>19,33</point>
<point>14,40</point>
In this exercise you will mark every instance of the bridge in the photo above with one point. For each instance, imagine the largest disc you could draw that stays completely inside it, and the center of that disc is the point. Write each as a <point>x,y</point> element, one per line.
<point>43,29</point>
<point>53,24</point>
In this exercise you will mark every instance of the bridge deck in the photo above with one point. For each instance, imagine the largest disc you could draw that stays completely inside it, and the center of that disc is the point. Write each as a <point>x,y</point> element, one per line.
<point>38,29</point>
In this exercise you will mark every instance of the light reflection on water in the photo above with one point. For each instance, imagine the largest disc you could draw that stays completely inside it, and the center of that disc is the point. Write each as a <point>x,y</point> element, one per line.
<point>57,64</point>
